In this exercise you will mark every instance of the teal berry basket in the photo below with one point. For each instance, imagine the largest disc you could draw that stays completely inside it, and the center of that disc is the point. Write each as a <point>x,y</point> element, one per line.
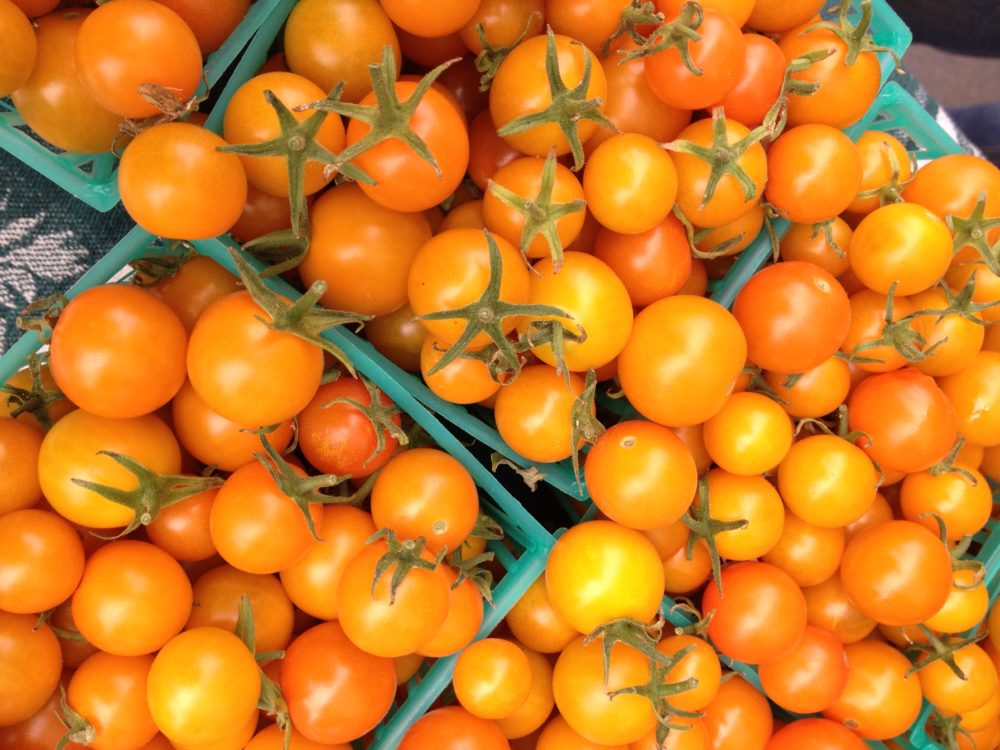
<point>93,177</point>
<point>522,559</point>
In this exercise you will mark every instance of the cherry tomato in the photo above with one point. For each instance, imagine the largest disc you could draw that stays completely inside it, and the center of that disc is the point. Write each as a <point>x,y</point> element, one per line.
<point>781,15</point>
<point>760,614</point>
<point>880,152</point>
<point>810,554</point>
<point>951,342</point>
<point>810,677</point>
<point>335,691</point>
<point>961,500</point>
<point>492,678</point>
<point>821,734</point>
<point>682,360</point>
<point>338,438</point>
<point>117,351</point>
<point>807,242</point>
<point>132,599</point>
<point>536,623</point>
<point>197,283</point>
<point>30,663</point>
<point>759,85</point>
<point>533,413</point>
<point>250,119</point>
<point>399,337</point>
<point>898,572</point>
<point>719,53</point>
<point>879,701</point>
<point>182,530</point>
<point>175,182</point>
<point>70,451</point>
<point>819,390</point>
<point>41,558</point>
<point>946,691</point>
<point>975,394</point>
<point>600,571</point>
<point>700,663</point>
<point>122,46</point>
<point>465,616</point>
<point>909,423</point>
<point>20,444</point>
<point>750,435</point>
<point>461,381</point>
<point>453,728</point>
<point>21,48</point>
<point>424,492</point>
<point>830,607</point>
<point>814,172</point>
<point>203,687</point>
<point>739,718</point>
<point>273,738</point>
<point>748,498</point>
<point>966,606</point>
<point>110,693</point>
<point>640,475</point>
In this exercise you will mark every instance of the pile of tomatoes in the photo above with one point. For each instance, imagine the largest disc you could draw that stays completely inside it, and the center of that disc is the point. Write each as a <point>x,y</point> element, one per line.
<point>526,203</point>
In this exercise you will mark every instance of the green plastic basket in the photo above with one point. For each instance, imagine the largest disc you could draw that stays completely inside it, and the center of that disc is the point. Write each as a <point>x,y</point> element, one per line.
<point>93,177</point>
<point>530,541</point>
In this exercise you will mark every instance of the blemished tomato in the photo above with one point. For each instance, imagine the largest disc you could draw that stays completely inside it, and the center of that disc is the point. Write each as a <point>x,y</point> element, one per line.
<point>247,372</point>
<point>819,390</point>
<point>898,572</point>
<point>795,316</point>
<point>217,594</point>
<point>652,264</point>
<point>354,241</point>
<point>215,440</point>
<point>631,104</point>
<point>810,554</point>
<point>599,571</point>
<point>492,678</point>
<point>41,557</point>
<point>118,352</point>
<point>975,394</point>
<point>53,101</point>
<point>403,180</point>
<point>329,41</point>
<point>250,119</point>
<point>749,498</point>
<point>203,687</point>
<point>810,677</point>
<point>20,49</point>
<point>130,43</point>
<point>132,599</point>
<point>536,623</point>
<point>384,626</point>
<point>682,360</point>
<point>807,242</point>
<point>822,734</point>
<point>452,270</point>
<point>30,665</point>
<point>909,423</point>
<point>335,691</point>
<point>523,177</point>
<point>739,718</point>
<point>879,700</point>
<point>728,202</point>
<point>20,444</point>
<point>70,451</point>
<point>846,89</point>
<point>110,693</point>
<point>750,435</point>
<point>425,492</point>
<point>827,481</point>
<point>174,182</point>
<point>255,526</point>
<point>719,53</point>
<point>901,244</point>
<point>963,502</point>
<point>583,695</point>
<point>814,172</point>
<point>760,614</point>
<point>453,728</point>
<point>534,413</point>
<point>640,475</point>
<point>340,439</point>
<point>759,85</point>
<point>630,183</point>
<point>521,87</point>
<point>212,22</point>
<point>596,301</point>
